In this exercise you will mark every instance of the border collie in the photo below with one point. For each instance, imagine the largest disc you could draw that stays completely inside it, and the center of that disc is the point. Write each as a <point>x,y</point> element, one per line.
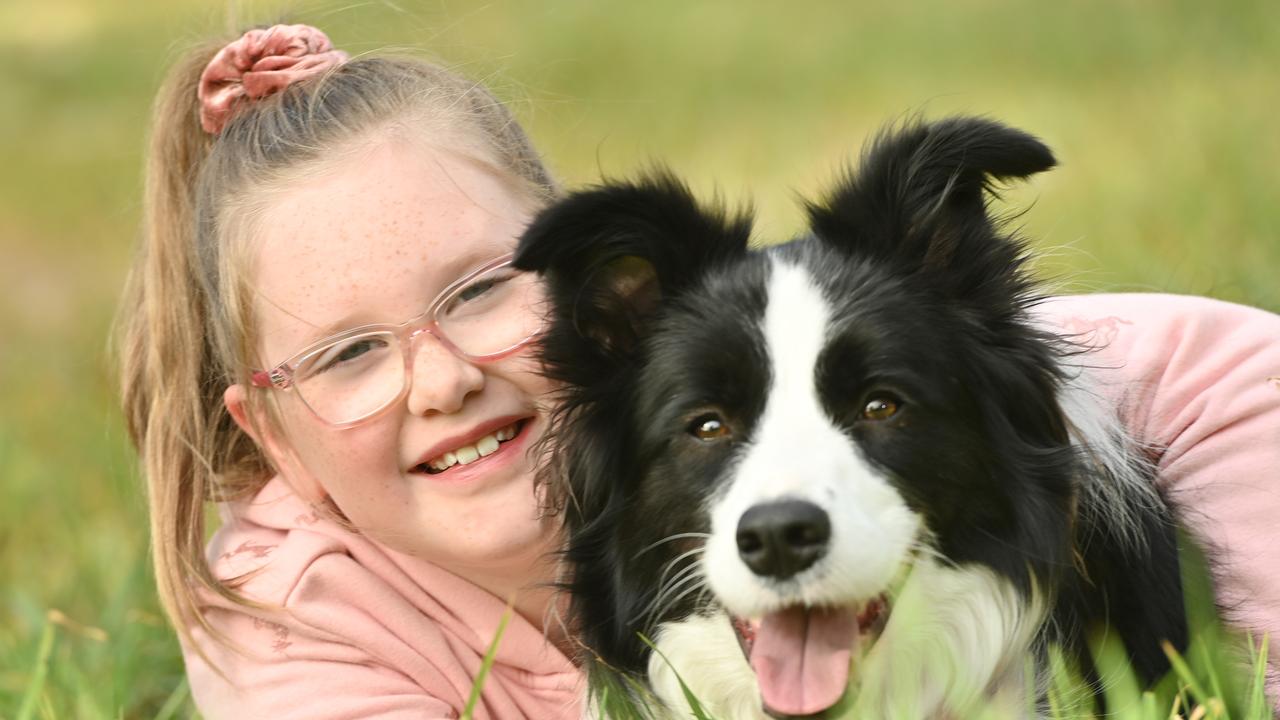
<point>855,460</point>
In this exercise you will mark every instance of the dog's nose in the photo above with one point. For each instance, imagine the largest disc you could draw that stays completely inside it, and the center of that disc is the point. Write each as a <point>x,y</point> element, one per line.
<point>780,539</point>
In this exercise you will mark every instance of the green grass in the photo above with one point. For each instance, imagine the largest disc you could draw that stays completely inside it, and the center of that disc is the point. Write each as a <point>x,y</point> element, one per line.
<point>1163,115</point>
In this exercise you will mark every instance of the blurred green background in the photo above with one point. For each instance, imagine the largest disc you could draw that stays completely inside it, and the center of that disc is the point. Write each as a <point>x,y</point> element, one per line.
<point>1163,114</point>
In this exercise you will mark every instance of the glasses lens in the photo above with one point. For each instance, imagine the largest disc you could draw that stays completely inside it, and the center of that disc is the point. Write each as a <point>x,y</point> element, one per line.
<point>494,312</point>
<point>351,378</point>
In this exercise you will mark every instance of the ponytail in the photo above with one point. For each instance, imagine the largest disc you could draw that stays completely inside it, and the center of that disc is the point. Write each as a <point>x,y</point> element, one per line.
<point>171,384</point>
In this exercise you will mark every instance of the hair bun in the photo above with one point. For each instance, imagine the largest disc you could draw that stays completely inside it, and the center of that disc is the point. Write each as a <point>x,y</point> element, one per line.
<point>260,63</point>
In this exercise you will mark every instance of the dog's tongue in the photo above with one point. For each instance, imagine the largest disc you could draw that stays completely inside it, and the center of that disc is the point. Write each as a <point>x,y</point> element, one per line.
<point>801,658</point>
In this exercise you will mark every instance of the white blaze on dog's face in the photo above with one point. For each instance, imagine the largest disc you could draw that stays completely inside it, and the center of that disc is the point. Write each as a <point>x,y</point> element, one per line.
<point>798,453</point>
<point>805,530</point>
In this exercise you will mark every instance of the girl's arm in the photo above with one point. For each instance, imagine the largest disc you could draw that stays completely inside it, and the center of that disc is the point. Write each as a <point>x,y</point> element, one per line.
<point>318,680</point>
<point>1198,382</point>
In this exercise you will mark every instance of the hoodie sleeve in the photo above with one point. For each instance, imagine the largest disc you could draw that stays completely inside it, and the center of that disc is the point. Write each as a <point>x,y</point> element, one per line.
<point>1198,382</point>
<point>320,681</point>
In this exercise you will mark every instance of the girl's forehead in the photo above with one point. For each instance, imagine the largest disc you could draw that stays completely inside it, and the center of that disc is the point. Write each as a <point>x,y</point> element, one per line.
<point>373,238</point>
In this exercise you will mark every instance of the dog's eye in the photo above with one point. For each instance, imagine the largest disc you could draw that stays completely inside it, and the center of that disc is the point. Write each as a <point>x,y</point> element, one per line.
<point>881,406</point>
<point>709,427</point>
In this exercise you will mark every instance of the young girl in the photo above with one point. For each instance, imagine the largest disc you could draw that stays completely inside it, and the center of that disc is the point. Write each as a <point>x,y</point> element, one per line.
<point>325,340</point>
<point>378,496</point>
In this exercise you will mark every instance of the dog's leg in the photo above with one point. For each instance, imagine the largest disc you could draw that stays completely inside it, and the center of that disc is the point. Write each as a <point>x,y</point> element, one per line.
<point>956,640</point>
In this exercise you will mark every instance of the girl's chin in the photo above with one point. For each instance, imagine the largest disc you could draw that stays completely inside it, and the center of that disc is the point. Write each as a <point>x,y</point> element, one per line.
<point>514,555</point>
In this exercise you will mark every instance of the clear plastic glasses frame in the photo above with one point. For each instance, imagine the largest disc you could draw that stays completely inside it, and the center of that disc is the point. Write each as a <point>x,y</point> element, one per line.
<point>476,338</point>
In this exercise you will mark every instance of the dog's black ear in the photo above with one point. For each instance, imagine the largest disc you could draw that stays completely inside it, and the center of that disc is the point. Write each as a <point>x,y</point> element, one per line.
<point>611,254</point>
<point>919,200</point>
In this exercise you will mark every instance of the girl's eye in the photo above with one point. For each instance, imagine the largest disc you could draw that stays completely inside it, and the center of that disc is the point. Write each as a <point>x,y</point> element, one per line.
<point>346,353</point>
<point>881,406</point>
<point>482,295</point>
<point>709,427</point>
<point>475,290</point>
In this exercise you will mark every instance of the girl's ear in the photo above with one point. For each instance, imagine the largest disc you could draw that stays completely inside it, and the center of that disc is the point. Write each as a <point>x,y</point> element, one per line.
<point>252,420</point>
<point>235,399</point>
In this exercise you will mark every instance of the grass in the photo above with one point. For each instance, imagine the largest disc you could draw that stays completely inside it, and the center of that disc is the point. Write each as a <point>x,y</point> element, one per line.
<point>1162,114</point>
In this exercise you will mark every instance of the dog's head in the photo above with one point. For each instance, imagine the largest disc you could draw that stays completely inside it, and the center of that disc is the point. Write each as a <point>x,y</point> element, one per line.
<point>778,432</point>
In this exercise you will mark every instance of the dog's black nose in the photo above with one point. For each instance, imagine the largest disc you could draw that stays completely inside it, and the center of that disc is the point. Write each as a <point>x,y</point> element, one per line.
<point>780,539</point>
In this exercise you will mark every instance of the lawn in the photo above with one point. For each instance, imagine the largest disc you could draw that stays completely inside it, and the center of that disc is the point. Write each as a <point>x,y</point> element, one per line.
<point>1163,115</point>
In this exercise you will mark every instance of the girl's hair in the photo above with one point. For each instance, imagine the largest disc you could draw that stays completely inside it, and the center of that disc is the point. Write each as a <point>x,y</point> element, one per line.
<point>186,327</point>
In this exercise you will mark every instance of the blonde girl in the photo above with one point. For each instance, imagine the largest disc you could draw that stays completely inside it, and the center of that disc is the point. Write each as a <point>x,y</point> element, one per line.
<point>322,336</point>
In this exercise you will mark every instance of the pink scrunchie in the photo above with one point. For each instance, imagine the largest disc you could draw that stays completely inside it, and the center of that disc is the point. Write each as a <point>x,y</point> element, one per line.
<point>260,63</point>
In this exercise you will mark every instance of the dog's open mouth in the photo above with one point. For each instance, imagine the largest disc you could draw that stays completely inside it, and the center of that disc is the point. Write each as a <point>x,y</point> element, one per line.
<point>802,655</point>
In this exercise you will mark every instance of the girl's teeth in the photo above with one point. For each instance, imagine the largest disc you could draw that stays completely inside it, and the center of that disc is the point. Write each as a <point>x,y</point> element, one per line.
<point>487,445</point>
<point>468,454</point>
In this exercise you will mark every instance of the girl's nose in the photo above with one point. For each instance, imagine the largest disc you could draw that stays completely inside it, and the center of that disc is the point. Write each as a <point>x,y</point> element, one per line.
<point>440,380</point>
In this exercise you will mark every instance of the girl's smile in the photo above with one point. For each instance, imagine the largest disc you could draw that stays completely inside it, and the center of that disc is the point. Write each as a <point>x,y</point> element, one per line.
<point>483,451</point>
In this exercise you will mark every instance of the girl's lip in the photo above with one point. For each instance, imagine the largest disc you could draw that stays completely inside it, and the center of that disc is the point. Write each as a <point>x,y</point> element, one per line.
<point>469,437</point>
<point>508,451</point>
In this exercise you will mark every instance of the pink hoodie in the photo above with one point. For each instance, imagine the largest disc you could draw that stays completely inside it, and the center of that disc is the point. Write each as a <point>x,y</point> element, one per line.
<point>364,631</point>
<point>1198,381</point>
<point>367,632</point>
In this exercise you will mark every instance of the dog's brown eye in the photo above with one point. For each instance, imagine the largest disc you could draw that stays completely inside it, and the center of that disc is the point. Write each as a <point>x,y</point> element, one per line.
<point>709,427</point>
<point>880,407</point>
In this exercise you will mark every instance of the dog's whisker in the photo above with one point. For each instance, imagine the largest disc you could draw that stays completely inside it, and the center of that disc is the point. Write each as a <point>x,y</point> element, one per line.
<point>665,584</point>
<point>678,577</point>
<point>669,538</point>
<point>655,606</point>
<point>670,564</point>
<point>700,585</point>
<point>668,585</point>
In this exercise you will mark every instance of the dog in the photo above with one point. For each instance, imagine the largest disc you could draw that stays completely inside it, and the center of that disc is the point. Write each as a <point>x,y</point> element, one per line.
<point>847,475</point>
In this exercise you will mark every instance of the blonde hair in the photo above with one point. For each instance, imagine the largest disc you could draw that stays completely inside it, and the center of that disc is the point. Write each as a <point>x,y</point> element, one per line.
<point>186,329</point>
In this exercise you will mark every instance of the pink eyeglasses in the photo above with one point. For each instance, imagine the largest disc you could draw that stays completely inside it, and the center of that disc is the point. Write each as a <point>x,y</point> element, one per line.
<point>348,378</point>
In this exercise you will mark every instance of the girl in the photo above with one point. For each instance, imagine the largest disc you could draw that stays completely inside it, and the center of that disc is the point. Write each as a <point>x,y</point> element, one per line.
<point>379,508</point>
<point>324,339</point>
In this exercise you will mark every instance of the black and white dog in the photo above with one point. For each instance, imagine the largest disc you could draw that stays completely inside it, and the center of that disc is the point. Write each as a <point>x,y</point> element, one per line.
<point>852,460</point>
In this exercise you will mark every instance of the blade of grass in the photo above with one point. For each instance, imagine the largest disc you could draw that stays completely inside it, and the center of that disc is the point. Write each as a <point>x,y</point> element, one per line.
<point>618,695</point>
<point>1120,684</point>
<point>1149,709</point>
<point>1211,667</point>
<point>36,686</point>
<point>487,663</point>
<point>174,701</point>
<point>639,691</point>
<point>1258,693</point>
<point>1184,671</point>
<point>694,705</point>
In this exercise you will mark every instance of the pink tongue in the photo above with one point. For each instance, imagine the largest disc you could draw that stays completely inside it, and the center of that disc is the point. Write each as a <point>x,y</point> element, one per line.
<point>801,658</point>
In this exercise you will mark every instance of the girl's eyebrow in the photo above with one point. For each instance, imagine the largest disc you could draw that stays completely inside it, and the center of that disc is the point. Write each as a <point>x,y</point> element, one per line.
<point>451,270</point>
